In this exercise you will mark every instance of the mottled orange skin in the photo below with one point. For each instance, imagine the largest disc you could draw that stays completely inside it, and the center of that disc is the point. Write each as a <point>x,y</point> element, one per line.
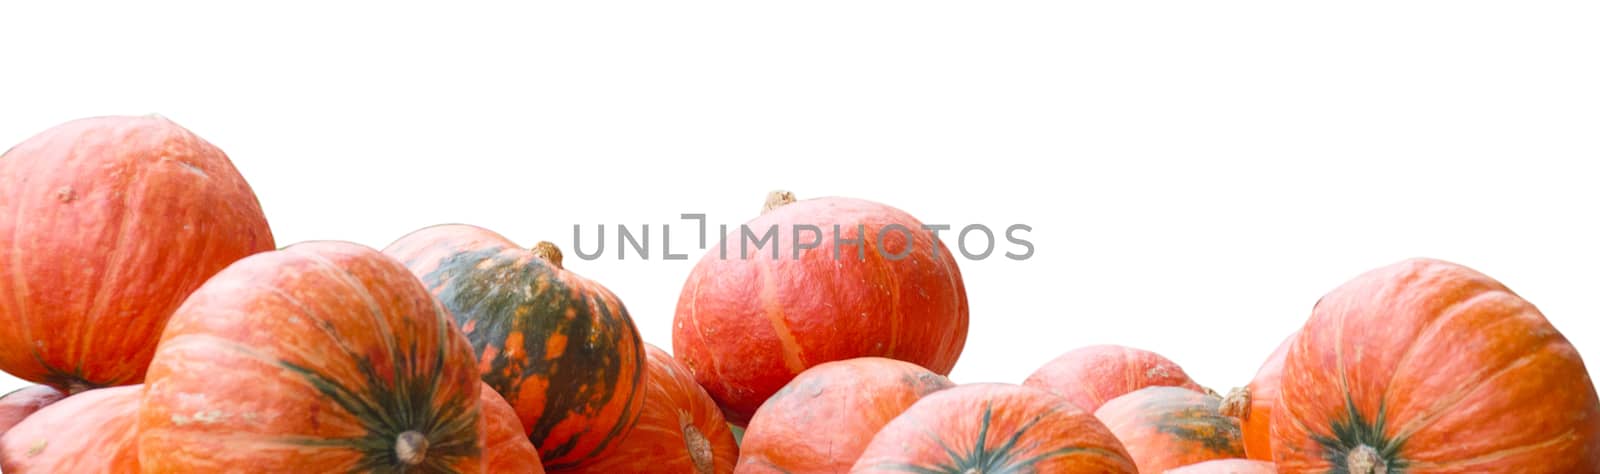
<point>1256,421</point>
<point>680,430</point>
<point>560,348</point>
<point>1470,376</point>
<point>822,420</point>
<point>24,401</point>
<point>88,433</point>
<point>1168,427</point>
<point>243,377</point>
<point>1092,375</point>
<point>980,421</point>
<point>106,224</point>
<point>1227,466</point>
<point>747,324</point>
<point>505,447</point>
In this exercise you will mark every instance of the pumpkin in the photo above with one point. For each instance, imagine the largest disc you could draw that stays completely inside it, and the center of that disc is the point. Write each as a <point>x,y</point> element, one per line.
<point>680,428</point>
<point>24,401</point>
<point>1253,404</point>
<point>89,432</point>
<point>1089,376</point>
<point>559,347</point>
<point>1227,466</point>
<point>988,427</point>
<point>505,447</point>
<point>823,419</point>
<point>106,224</point>
<point>876,284</point>
<point>1168,427</point>
<point>321,357</point>
<point>1429,366</point>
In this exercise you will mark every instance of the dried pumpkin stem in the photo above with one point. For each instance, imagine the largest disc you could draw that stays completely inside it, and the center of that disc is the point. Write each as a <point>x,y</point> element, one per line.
<point>411,448</point>
<point>1365,460</point>
<point>1236,404</point>
<point>699,450</point>
<point>777,199</point>
<point>549,252</point>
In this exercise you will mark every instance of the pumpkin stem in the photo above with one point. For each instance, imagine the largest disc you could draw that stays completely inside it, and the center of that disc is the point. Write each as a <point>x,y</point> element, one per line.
<point>411,448</point>
<point>78,386</point>
<point>549,252</point>
<point>699,450</point>
<point>777,199</point>
<point>1236,404</point>
<point>1365,460</point>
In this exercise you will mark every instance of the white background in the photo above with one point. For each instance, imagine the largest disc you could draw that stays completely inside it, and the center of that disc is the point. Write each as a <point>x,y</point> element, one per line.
<point>1197,175</point>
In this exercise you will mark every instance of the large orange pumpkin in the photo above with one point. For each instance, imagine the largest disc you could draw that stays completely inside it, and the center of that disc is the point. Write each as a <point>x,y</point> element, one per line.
<point>88,433</point>
<point>559,347</point>
<point>994,428</point>
<point>20,403</point>
<point>1253,404</point>
<point>1092,375</point>
<point>753,315</point>
<point>1168,427</point>
<point>505,447</point>
<point>680,430</point>
<point>1429,366</point>
<point>106,224</point>
<point>1227,466</point>
<point>823,419</point>
<point>321,357</point>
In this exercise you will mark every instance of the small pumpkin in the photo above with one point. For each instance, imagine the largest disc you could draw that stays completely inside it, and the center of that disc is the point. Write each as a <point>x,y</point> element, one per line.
<point>989,427</point>
<point>20,403</point>
<point>559,347</point>
<point>1227,466</point>
<point>1092,375</point>
<point>1429,366</point>
<point>1168,427</point>
<point>680,428</point>
<point>752,316</point>
<point>89,433</point>
<point>321,357</point>
<point>1253,404</point>
<point>505,447</point>
<point>106,225</point>
<point>822,420</point>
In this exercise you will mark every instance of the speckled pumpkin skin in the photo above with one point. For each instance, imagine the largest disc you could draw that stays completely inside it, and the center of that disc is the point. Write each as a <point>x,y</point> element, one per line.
<point>1168,427</point>
<point>560,348</point>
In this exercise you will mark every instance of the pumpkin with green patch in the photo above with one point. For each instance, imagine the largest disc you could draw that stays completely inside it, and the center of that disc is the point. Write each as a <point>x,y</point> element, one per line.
<point>321,357</point>
<point>1168,427</point>
<point>990,427</point>
<point>560,348</point>
<point>1429,366</point>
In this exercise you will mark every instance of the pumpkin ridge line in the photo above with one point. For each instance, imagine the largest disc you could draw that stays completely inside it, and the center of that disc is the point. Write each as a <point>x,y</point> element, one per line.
<point>1463,392</point>
<point>1433,327</point>
<point>789,348</point>
<point>114,266</point>
<point>343,276</point>
<point>1498,454</point>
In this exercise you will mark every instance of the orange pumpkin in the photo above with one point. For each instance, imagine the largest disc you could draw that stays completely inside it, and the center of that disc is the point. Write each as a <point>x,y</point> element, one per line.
<point>824,418</point>
<point>89,433</point>
<point>1227,466</point>
<point>106,225</point>
<point>505,447</point>
<point>321,357</point>
<point>680,429</point>
<point>20,403</point>
<point>989,427</point>
<point>1090,376</point>
<point>1429,366</point>
<point>1168,427</point>
<point>1253,404</point>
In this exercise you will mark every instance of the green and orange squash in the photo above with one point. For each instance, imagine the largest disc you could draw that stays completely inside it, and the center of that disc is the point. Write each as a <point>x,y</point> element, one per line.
<point>680,428</point>
<point>1428,366</point>
<point>321,357</point>
<point>1169,427</point>
<point>562,349</point>
<point>751,315</point>
<point>106,225</point>
<point>1092,375</point>
<point>990,427</point>
<point>823,419</point>
<point>92,432</point>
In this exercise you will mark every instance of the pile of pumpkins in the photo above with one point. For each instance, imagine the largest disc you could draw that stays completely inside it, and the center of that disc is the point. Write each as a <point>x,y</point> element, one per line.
<point>142,290</point>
